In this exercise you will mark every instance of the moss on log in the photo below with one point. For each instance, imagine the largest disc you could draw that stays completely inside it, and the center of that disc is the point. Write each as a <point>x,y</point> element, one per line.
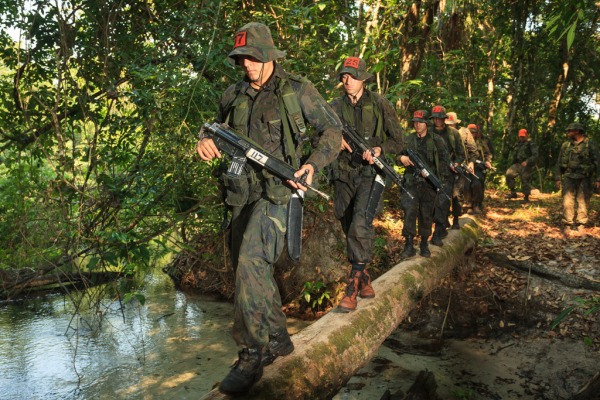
<point>332,349</point>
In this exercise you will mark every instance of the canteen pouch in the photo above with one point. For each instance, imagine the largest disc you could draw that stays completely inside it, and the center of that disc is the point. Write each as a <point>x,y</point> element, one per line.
<point>276,191</point>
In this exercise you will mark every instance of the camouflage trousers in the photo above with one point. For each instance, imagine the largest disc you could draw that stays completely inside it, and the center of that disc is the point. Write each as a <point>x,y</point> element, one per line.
<point>474,190</point>
<point>257,241</point>
<point>418,209</point>
<point>517,170</point>
<point>576,191</point>
<point>351,197</point>
<point>442,204</point>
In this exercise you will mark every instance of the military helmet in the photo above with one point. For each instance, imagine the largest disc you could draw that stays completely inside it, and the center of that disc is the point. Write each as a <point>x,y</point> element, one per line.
<point>355,67</point>
<point>575,126</point>
<point>438,112</point>
<point>254,40</point>
<point>420,116</point>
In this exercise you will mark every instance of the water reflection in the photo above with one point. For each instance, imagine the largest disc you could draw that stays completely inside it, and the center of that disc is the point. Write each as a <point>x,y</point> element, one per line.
<point>174,346</point>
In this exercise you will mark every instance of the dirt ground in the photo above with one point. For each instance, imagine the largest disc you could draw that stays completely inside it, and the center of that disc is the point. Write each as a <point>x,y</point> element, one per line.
<point>487,332</point>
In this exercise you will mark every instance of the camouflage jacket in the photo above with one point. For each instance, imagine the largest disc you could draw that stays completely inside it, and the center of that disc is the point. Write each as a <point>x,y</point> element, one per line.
<point>469,144</point>
<point>257,114</point>
<point>433,150</point>
<point>484,149</point>
<point>525,151</point>
<point>578,160</point>
<point>454,142</point>
<point>374,118</point>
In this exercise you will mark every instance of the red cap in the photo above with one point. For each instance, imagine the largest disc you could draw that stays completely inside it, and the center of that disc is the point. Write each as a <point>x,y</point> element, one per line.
<point>522,132</point>
<point>472,126</point>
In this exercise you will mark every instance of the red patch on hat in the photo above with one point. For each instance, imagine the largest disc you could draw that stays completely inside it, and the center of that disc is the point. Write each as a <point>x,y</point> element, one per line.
<point>437,109</point>
<point>450,117</point>
<point>240,39</point>
<point>419,114</point>
<point>352,62</point>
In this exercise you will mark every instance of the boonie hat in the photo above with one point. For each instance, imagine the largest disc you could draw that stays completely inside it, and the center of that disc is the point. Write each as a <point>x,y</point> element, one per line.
<point>522,132</point>
<point>452,118</point>
<point>473,127</point>
<point>420,116</point>
<point>254,40</point>
<point>575,126</point>
<point>438,112</point>
<point>355,67</point>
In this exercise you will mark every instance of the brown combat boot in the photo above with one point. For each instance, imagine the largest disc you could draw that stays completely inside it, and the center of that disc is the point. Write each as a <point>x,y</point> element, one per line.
<point>365,290</point>
<point>349,301</point>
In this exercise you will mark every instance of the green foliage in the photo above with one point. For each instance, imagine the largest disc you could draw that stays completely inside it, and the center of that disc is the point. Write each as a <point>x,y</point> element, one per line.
<point>315,295</point>
<point>585,306</point>
<point>100,102</point>
<point>463,394</point>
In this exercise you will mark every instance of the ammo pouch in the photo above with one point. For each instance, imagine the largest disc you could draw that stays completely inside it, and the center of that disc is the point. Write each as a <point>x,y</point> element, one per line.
<point>275,190</point>
<point>237,189</point>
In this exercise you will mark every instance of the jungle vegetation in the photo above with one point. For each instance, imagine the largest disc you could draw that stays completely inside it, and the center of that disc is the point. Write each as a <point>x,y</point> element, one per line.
<point>101,102</point>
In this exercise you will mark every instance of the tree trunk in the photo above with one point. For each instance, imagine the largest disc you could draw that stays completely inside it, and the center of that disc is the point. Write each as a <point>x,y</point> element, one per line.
<point>332,349</point>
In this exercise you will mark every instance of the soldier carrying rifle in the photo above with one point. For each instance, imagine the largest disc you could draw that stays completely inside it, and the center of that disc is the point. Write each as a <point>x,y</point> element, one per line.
<point>270,108</point>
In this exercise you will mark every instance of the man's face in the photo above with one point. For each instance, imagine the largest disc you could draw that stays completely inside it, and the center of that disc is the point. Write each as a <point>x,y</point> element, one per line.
<point>254,69</point>
<point>351,86</point>
<point>420,127</point>
<point>439,123</point>
<point>572,133</point>
<point>522,138</point>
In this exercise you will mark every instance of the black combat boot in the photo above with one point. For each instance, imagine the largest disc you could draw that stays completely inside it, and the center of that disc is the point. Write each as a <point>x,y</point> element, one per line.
<point>455,223</point>
<point>436,239</point>
<point>424,247</point>
<point>476,209</point>
<point>280,344</point>
<point>246,371</point>
<point>526,199</point>
<point>409,249</point>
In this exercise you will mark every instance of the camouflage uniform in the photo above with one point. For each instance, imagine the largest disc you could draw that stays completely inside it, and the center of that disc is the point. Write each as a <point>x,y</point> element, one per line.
<point>259,201</point>
<point>456,151</point>
<point>375,119</point>
<point>470,150</point>
<point>474,190</point>
<point>433,150</point>
<point>526,151</point>
<point>578,165</point>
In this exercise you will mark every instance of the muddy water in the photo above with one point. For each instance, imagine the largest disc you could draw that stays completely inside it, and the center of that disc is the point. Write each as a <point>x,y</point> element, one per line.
<point>176,346</point>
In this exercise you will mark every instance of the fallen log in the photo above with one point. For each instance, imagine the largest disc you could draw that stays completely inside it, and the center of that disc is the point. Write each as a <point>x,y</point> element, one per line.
<point>332,349</point>
<point>569,280</point>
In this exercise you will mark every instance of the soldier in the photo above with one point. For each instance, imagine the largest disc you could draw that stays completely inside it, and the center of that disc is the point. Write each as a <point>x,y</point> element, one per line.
<point>375,120</point>
<point>269,106</point>
<point>456,150</point>
<point>525,155</point>
<point>474,190</point>
<point>432,150</point>
<point>470,150</point>
<point>579,168</point>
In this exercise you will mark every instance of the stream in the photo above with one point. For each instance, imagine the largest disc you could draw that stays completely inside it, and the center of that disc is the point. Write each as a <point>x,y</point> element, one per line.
<point>176,345</point>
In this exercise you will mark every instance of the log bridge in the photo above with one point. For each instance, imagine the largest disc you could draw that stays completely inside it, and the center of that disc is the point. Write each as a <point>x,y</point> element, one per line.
<point>331,350</point>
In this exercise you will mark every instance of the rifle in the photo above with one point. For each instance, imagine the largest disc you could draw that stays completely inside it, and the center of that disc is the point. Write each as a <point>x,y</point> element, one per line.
<point>240,150</point>
<point>482,166</point>
<point>425,172</point>
<point>359,146</point>
<point>464,172</point>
